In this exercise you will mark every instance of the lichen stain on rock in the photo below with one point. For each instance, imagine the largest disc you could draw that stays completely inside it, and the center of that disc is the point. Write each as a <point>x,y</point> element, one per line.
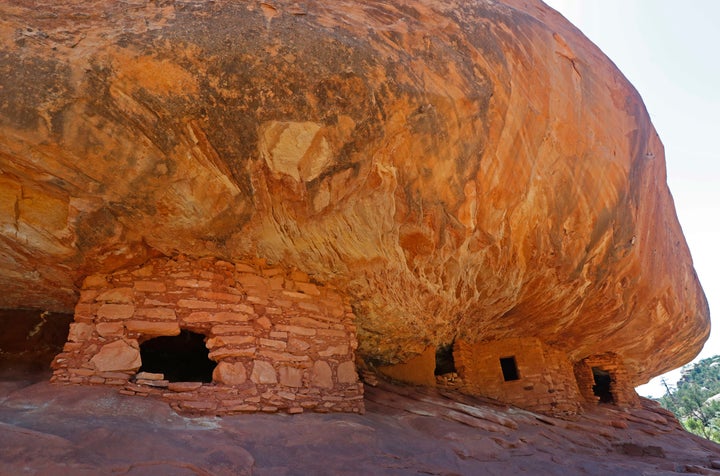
<point>156,76</point>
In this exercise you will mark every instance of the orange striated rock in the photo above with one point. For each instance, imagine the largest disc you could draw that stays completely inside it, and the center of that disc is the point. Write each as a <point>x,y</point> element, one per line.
<point>473,171</point>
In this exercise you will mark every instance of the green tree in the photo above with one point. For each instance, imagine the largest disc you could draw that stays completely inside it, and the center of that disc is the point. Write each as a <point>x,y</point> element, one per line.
<point>691,400</point>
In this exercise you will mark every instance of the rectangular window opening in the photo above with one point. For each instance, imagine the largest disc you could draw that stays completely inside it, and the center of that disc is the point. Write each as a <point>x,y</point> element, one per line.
<point>509,368</point>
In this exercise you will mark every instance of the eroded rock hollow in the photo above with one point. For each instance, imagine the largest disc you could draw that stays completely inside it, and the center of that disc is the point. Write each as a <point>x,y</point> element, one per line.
<point>458,171</point>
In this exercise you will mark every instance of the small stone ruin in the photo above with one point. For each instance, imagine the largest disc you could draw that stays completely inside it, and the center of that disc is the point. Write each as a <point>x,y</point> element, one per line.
<point>273,340</point>
<point>524,372</point>
<point>210,336</point>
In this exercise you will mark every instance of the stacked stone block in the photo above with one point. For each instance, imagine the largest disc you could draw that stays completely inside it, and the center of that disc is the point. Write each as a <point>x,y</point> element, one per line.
<point>546,382</point>
<point>621,387</point>
<point>281,342</point>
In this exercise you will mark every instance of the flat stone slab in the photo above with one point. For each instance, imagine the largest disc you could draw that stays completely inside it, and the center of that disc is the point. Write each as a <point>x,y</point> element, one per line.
<point>53,429</point>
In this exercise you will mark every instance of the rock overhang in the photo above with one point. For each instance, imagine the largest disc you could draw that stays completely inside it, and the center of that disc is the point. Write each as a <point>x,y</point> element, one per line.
<point>471,171</point>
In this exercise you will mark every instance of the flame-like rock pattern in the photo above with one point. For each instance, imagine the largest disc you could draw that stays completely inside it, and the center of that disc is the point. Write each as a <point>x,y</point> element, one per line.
<point>472,170</point>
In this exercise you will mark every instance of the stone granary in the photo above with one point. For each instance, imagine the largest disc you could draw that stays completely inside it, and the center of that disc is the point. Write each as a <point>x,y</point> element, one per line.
<point>267,339</point>
<point>295,189</point>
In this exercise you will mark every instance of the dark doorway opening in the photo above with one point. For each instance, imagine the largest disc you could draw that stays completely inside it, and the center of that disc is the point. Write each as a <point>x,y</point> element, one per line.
<point>509,368</point>
<point>444,360</point>
<point>181,358</point>
<point>603,382</point>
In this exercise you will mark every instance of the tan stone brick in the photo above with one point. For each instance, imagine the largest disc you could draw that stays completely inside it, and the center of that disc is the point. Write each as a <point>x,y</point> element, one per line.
<point>230,373</point>
<point>332,333</point>
<point>200,405</point>
<point>95,281</point>
<point>153,328</point>
<point>118,355</point>
<point>286,395</point>
<point>86,310</point>
<point>200,316</point>
<point>115,375</point>
<point>227,316</point>
<point>224,329</point>
<point>275,344</point>
<point>115,311</point>
<point>295,295</point>
<point>282,356</point>
<point>157,303</point>
<point>88,295</point>
<point>80,331</point>
<point>107,329</point>
<point>82,372</point>
<point>309,322</point>
<point>145,271</point>
<point>240,308</point>
<point>192,283</point>
<point>184,386</point>
<point>162,313</point>
<point>334,350</point>
<point>221,341</point>
<point>264,322</point>
<point>303,331</point>
<point>70,346</point>
<point>149,376</point>
<point>224,265</point>
<point>297,345</point>
<point>116,295</point>
<point>245,268</point>
<point>197,304</point>
<point>150,286</point>
<point>268,272</point>
<point>251,280</point>
<point>263,372</point>
<point>241,407</point>
<point>335,311</point>
<point>278,335</point>
<point>291,376</point>
<point>221,353</point>
<point>307,288</point>
<point>346,372</point>
<point>216,296</point>
<point>322,375</point>
<point>276,283</point>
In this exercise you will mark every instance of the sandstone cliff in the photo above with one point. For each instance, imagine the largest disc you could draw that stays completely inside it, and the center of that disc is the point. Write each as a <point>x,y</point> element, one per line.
<point>461,170</point>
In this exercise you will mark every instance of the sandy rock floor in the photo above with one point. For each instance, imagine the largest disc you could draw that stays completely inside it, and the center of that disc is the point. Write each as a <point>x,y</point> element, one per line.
<point>61,430</point>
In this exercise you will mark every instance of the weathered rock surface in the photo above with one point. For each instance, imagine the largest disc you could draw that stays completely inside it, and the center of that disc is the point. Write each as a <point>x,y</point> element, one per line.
<point>474,170</point>
<point>47,429</point>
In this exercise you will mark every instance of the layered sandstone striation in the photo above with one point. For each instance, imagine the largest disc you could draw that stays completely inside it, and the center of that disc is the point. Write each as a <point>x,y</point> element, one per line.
<point>459,171</point>
<point>46,429</point>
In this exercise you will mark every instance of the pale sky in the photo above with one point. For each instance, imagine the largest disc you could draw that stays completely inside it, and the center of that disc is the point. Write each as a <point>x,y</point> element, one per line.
<point>669,52</point>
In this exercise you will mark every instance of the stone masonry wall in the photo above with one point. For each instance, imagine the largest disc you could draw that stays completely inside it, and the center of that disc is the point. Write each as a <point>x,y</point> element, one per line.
<point>281,342</point>
<point>546,382</point>
<point>621,388</point>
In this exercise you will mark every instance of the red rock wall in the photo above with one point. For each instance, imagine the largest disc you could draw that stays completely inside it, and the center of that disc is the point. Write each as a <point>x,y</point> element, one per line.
<point>546,381</point>
<point>281,341</point>
<point>419,370</point>
<point>462,170</point>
